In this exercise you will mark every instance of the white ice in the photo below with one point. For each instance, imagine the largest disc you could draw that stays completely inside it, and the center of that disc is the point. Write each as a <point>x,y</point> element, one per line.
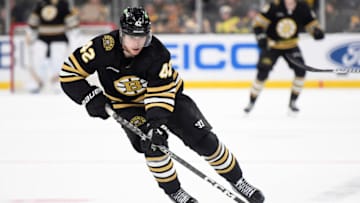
<point>51,151</point>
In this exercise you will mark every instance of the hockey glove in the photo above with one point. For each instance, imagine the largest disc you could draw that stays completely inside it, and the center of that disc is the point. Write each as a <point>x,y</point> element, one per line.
<point>157,136</point>
<point>95,102</point>
<point>262,41</point>
<point>318,34</point>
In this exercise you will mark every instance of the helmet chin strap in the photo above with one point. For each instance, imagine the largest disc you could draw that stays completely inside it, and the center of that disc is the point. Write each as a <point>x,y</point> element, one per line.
<point>148,39</point>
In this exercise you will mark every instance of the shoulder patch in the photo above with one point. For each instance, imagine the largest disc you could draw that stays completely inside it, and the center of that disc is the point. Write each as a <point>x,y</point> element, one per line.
<point>265,8</point>
<point>108,42</point>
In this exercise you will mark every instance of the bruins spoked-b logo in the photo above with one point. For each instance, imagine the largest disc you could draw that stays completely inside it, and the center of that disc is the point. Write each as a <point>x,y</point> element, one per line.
<point>138,120</point>
<point>49,12</point>
<point>130,85</point>
<point>286,28</point>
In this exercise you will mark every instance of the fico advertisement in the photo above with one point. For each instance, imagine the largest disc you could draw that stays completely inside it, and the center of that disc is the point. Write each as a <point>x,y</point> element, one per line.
<point>234,57</point>
<point>213,57</point>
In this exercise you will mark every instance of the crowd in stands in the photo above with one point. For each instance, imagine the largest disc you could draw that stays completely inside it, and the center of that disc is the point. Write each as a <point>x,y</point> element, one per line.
<point>179,16</point>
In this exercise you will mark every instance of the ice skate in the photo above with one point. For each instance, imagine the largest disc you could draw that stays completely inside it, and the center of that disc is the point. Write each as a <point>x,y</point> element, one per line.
<point>181,196</point>
<point>293,108</point>
<point>249,192</point>
<point>249,107</point>
<point>36,90</point>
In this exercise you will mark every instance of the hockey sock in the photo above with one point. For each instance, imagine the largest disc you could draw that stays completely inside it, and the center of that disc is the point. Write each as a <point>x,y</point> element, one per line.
<point>225,163</point>
<point>296,88</point>
<point>255,90</point>
<point>163,170</point>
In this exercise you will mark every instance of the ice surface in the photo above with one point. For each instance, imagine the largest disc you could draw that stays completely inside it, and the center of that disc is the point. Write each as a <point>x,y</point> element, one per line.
<point>51,151</point>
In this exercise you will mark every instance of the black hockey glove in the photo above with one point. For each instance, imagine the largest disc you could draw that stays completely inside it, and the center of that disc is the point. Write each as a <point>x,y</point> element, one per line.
<point>262,41</point>
<point>158,136</point>
<point>318,34</point>
<point>95,102</point>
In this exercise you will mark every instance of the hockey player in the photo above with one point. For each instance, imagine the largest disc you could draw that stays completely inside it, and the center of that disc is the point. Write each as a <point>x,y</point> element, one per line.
<point>276,29</point>
<point>137,79</point>
<point>48,24</point>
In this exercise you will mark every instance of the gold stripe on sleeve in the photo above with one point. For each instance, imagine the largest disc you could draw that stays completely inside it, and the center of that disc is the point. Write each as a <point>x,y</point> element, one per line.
<point>78,67</point>
<point>160,88</point>
<point>161,105</point>
<point>71,79</point>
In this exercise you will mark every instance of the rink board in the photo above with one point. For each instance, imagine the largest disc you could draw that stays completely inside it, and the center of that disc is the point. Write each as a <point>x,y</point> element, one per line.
<point>229,60</point>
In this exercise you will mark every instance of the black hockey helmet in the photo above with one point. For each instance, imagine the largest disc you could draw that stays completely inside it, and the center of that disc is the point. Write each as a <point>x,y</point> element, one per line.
<point>136,21</point>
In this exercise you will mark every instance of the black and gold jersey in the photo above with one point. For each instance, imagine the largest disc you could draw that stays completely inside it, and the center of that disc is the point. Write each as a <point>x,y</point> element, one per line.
<point>52,18</point>
<point>147,80</point>
<point>281,26</point>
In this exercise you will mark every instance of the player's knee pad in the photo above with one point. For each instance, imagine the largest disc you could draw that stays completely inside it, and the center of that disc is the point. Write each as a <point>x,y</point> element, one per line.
<point>135,142</point>
<point>299,72</point>
<point>135,139</point>
<point>207,145</point>
<point>263,72</point>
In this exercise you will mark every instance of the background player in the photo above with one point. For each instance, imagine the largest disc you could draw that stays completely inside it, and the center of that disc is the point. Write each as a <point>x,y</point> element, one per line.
<point>276,29</point>
<point>48,24</point>
<point>137,78</point>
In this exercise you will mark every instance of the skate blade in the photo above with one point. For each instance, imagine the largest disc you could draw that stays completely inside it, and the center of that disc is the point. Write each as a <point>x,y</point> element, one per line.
<point>292,113</point>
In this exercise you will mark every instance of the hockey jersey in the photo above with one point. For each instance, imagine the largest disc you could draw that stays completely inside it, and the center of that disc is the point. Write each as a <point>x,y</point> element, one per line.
<point>147,80</point>
<point>281,26</point>
<point>51,19</point>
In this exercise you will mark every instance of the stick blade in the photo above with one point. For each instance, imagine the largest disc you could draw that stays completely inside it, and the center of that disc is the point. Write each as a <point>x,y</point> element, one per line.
<point>301,65</point>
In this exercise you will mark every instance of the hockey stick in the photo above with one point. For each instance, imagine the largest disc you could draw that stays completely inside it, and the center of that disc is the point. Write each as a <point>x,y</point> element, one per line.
<point>165,150</point>
<point>313,69</point>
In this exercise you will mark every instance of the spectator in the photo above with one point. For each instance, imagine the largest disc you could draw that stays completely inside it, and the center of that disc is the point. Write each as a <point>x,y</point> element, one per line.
<point>2,30</point>
<point>239,7</point>
<point>348,4</point>
<point>354,24</point>
<point>335,21</point>
<point>246,22</point>
<point>191,24</point>
<point>155,18</point>
<point>159,5</point>
<point>19,11</point>
<point>228,23</point>
<point>314,4</point>
<point>174,21</point>
<point>2,18</point>
<point>94,11</point>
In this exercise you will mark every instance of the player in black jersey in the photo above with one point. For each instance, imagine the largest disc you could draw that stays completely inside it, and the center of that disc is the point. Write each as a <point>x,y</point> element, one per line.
<point>277,28</point>
<point>48,23</point>
<point>138,80</point>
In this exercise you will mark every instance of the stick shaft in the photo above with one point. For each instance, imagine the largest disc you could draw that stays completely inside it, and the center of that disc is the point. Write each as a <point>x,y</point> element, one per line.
<point>301,65</point>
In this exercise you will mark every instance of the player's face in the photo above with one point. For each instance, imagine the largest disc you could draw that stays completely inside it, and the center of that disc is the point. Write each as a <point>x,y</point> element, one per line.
<point>133,45</point>
<point>290,4</point>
